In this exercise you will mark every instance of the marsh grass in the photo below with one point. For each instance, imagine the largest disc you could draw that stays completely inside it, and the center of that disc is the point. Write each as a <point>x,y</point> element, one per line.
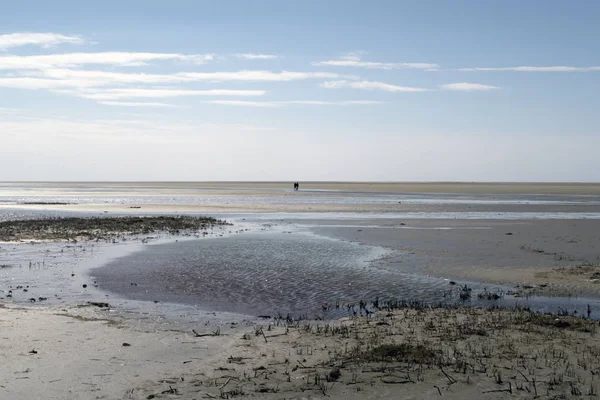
<point>100,228</point>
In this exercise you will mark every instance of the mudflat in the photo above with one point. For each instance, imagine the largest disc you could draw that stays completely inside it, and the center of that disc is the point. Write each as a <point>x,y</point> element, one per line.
<point>536,239</point>
<point>389,187</point>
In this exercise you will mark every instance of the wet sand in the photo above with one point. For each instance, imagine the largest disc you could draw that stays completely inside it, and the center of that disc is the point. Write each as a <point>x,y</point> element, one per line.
<point>408,352</point>
<point>545,257</point>
<point>381,187</point>
<point>79,351</point>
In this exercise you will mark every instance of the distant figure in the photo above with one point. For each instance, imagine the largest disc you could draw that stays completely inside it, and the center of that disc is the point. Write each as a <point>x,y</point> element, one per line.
<point>296,186</point>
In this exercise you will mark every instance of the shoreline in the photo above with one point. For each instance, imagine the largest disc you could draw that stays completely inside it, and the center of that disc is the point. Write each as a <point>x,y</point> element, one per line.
<point>563,279</point>
<point>404,350</point>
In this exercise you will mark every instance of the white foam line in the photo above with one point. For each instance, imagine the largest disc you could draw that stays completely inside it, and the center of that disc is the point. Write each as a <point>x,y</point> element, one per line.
<point>439,228</point>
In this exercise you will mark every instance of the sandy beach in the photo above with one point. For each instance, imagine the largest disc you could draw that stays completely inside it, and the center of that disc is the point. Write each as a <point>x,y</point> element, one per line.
<point>162,327</point>
<point>399,351</point>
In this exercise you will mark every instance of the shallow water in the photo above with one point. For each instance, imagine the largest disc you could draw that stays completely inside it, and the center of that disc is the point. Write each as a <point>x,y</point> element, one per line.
<point>295,273</point>
<point>280,267</point>
<point>107,193</point>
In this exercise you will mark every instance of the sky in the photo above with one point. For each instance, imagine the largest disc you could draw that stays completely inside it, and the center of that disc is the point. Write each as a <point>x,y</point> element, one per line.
<point>347,90</point>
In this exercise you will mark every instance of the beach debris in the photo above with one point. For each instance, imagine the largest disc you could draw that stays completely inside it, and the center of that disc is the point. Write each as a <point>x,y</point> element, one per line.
<point>170,391</point>
<point>236,360</point>
<point>508,233</point>
<point>84,286</point>
<point>33,351</point>
<point>215,333</point>
<point>465,293</point>
<point>98,304</point>
<point>126,344</point>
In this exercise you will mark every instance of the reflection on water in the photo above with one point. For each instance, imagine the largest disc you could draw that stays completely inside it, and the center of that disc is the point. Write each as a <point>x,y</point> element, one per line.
<point>272,273</point>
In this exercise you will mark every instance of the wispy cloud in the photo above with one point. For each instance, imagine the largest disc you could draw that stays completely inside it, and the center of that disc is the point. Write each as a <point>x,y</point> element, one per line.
<point>253,56</point>
<point>354,60</point>
<point>104,58</point>
<point>333,103</point>
<point>556,68</point>
<point>41,83</point>
<point>40,39</point>
<point>253,75</point>
<point>87,78</point>
<point>292,102</point>
<point>116,94</point>
<point>468,87</point>
<point>370,85</point>
<point>136,104</point>
<point>353,55</point>
<point>244,103</point>
<point>375,65</point>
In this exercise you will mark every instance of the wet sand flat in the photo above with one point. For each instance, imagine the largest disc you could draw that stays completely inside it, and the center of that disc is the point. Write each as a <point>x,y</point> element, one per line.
<point>389,187</point>
<point>545,242</point>
<point>556,256</point>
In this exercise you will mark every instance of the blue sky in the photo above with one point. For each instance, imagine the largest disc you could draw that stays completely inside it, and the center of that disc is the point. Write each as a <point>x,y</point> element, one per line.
<point>300,90</point>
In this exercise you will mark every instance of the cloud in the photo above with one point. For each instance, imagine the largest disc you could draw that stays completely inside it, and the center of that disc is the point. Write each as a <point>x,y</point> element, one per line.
<point>101,78</point>
<point>116,94</point>
<point>244,103</point>
<point>299,102</point>
<point>353,59</point>
<point>104,58</point>
<point>375,65</point>
<point>353,55</point>
<point>468,87</point>
<point>62,77</point>
<point>252,56</point>
<point>370,85</point>
<point>40,83</point>
<point>257,75</point>
<point>135,104</point>
<point>557,68</point>
<point>39,39</point>
<point>333,103</point>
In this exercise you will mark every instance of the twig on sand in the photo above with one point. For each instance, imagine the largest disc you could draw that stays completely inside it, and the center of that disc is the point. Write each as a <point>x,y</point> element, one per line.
<point>225,384</point>
<point>523,375</point>
<point>389,381</point>
<point>497,391</point>
<point>204,334</point>
<point>451,379</point>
